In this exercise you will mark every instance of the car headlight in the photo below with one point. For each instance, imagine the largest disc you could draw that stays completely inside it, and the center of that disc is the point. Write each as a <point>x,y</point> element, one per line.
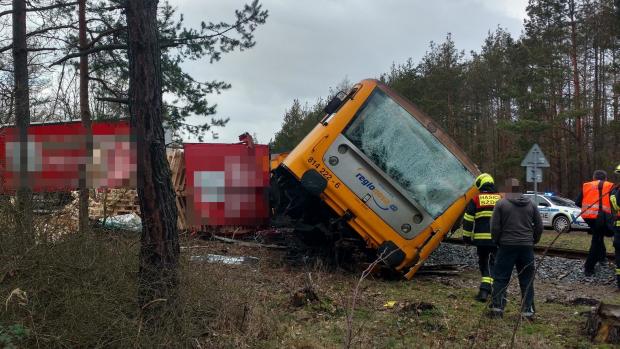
<point>579,219</point>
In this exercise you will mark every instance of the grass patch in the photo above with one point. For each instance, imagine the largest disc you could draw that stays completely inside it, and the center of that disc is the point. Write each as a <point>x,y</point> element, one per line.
<point>80,291</point>
<point>577,240</point>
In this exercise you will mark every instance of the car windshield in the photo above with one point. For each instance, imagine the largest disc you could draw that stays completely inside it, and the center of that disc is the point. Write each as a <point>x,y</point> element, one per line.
<point>539,199</point>
<point>561,201</point>
<point>407,152</point>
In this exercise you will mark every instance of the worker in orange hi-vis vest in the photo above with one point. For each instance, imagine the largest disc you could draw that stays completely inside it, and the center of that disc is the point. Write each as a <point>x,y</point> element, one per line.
<point>477,230</point>
<point>615,205</point>
<point>595,203</point>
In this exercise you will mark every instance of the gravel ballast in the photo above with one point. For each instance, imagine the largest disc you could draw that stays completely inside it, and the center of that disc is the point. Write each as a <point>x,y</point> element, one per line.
<point>553,268</point>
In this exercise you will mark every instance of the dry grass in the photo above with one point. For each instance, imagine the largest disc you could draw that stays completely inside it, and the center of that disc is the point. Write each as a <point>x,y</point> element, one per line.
<point>80,291</point>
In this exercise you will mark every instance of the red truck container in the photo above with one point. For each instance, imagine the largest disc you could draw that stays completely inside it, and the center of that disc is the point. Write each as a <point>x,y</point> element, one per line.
<point>226,184</point>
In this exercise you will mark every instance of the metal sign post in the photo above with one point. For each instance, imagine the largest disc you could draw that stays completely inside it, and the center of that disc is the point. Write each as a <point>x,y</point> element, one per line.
<point>534,162</point>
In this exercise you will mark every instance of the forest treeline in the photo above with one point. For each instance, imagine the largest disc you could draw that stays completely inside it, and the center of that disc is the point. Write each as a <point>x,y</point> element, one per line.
<point>556,85</point>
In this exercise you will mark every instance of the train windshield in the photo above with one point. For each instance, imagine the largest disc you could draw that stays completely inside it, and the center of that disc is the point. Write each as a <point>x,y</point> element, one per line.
<point>408,153</point>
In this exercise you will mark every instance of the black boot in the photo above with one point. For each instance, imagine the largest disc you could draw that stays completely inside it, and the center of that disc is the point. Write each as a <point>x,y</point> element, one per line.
<point>495,313</point>
<point>483,295</point>
<point>528,313</point>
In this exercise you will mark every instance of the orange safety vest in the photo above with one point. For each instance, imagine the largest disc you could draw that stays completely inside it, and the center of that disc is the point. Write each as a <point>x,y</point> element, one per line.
<point>590,202</point>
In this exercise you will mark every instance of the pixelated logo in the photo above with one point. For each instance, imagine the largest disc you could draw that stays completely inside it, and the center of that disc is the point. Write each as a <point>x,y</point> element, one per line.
<point>57,157</point>
<point>227,184</point>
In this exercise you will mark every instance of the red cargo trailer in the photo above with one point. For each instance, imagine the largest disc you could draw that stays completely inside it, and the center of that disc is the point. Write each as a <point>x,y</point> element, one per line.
<point>226,184</point>
<point>56,150</point>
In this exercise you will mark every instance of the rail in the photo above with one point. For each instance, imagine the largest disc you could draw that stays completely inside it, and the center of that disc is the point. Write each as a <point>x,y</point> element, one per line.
<point>553,251</point>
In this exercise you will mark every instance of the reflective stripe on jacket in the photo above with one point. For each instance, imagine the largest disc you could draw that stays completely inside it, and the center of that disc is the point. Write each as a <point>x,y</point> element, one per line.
<point>476,221</point>
<point>615,204</point>
<point>590,203</point>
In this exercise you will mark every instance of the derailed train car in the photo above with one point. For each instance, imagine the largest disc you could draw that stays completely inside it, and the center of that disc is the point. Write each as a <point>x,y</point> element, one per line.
<point>375,173</point>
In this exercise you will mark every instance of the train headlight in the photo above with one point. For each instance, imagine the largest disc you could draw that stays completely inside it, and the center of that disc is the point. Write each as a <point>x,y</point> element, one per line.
<point>405,228</point>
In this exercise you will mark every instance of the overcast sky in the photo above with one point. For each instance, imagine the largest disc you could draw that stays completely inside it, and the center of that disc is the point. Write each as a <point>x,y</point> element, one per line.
<point>308,46</point>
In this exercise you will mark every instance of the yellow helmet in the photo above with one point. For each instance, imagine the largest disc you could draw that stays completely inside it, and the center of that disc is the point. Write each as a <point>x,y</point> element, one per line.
<point>617,170</point>
<point>483,179</point>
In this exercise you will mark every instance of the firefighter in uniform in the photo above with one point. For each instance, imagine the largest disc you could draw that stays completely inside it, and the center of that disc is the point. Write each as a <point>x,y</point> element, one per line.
<point>594,199</point>
<point>477,230</point>
<point>615,204</point>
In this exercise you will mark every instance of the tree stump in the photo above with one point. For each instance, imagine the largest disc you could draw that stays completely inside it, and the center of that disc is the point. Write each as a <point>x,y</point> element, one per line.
<point>603,325</point>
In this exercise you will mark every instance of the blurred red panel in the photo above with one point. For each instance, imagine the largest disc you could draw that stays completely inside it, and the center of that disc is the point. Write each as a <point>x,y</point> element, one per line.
<point>56,150</point>
<point>226,184</point>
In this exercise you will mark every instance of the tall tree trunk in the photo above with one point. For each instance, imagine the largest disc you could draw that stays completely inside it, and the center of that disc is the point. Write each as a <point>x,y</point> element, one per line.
<point>159,251</point>
<point>85,116</point>
<point>581,154</point>
<point>22,119</point>
<point>596,113</point>
<point>615,88</point>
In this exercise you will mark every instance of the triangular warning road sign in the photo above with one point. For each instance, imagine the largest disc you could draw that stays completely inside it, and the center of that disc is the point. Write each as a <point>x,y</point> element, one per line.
<point>535,157</point>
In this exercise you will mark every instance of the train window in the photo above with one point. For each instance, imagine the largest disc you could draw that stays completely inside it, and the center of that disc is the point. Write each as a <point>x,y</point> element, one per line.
<point>408,153</point>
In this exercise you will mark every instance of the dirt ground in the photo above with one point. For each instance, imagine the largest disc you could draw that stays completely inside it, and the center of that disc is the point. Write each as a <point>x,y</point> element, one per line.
<point>428,311</point>
<point>80,291</point>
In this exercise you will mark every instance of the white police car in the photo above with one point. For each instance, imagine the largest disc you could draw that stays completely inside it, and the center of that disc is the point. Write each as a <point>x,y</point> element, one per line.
<point>558,212</point>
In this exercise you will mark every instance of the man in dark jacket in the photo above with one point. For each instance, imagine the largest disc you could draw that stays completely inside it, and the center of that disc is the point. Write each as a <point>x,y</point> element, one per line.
<point>516,227</point>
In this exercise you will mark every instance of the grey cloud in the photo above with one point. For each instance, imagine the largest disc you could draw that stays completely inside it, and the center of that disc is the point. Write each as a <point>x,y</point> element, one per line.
<point>307,46</point>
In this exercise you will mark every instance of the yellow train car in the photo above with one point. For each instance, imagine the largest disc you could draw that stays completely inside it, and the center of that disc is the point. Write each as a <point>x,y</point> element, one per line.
<point>378,168</point>
<point>276,159</point>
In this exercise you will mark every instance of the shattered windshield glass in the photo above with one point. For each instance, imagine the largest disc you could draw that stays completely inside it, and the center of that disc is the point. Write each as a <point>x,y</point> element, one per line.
<point>404,149</point>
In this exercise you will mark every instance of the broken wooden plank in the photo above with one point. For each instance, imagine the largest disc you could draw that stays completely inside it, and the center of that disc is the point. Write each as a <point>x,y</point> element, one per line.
<point>603,324</point>
<point>248,244</point>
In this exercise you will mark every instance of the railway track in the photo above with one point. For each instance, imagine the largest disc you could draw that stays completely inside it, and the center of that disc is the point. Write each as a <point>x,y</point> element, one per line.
<point>553,251</point>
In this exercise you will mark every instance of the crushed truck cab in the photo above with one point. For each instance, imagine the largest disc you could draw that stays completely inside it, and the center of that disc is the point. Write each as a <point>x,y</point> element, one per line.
<point>386,171</point>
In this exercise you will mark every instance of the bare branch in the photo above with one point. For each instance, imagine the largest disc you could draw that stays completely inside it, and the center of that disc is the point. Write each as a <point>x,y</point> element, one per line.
<point>105,85</point>
<point>114,100</point>
<point>109,8</point>
<point>44,8</point>
<point>37,49</point>
<point>45,30</point>
<point>31,49</point>
<point>184,41</point>
<point>89,51</point>
<point>105,33</point>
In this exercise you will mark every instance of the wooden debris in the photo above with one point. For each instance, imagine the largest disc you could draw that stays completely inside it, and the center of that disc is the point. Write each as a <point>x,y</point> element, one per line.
<point>603,324</point>
<point>177,168</point>
<point>417,308</point>
<point>306,294</point>
<point>113,202</point>
<point>248,244</point>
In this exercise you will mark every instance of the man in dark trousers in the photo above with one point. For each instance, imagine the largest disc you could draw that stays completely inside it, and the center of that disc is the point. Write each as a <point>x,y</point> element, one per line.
<point>477,230</point>
<point>516,227</point>
<point>594,198</point>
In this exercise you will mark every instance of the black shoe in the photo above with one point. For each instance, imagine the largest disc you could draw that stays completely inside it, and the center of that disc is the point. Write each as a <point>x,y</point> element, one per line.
<point>495,313</point>
<point>528,314</point>
<point>482,296</point>
<point>588,273</point>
